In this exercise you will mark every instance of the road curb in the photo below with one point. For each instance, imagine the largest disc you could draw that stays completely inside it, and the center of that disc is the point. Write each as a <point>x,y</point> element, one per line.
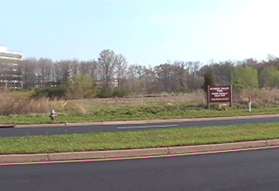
<point>6,126</point>
<point>136,153</point>
<point>143,121</point>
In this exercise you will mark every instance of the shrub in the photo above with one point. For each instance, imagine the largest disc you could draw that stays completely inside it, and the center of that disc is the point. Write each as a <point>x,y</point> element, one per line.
<point>245,78</point>
<point>52,93</point>
<point>118,92</point>
<point>104,93</point>
<point>269,77</point>
<point>82,86</point>
<point>208,80</point>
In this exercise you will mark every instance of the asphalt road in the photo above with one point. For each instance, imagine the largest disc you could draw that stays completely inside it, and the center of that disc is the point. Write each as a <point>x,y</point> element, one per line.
<point>244,171</point>
<point>15,132</point>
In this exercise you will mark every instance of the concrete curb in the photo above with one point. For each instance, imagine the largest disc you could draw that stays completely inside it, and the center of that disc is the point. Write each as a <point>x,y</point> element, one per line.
<point>143,121</point>
<point>136,153</point>
<point>6,126</point>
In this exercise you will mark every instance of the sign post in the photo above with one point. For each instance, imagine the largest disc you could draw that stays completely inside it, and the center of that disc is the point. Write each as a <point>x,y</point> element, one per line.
<point>250,104</point>
<point>219,94</point>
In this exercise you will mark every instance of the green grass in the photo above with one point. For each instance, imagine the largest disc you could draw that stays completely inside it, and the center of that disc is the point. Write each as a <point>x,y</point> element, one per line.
<point>142,139</point>
<point>136,113</point>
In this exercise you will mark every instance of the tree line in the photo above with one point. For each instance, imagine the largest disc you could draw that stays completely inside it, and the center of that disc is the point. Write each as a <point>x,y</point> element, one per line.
<point>111,75</point>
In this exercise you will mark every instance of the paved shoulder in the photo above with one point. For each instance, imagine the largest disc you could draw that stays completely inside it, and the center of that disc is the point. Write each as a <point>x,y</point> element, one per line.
<point>247,171</point>
<point>117,127</point>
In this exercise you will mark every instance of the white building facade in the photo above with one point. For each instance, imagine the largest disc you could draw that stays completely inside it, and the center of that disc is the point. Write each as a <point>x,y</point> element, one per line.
<point>10,74</point>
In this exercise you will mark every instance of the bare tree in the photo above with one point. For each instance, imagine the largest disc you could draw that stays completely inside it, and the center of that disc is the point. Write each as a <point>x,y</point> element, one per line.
<point>45,68</point>
<point>121,71</point>
<point>28,67</point>
<point>135,79</point>
<point>89,68</point>
<point>107,62</point>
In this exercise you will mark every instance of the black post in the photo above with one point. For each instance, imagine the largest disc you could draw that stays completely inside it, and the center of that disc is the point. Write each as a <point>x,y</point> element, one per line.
<point>231,97</point>
<point>208,97</point>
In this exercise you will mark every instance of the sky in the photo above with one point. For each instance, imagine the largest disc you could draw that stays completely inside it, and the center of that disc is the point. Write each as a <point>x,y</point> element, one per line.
<point>146,32</point>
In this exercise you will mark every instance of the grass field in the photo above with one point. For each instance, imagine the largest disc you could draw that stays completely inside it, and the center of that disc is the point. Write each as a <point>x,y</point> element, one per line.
<point>142,139</point>
<point>134,113</point>
<point>19,108</point>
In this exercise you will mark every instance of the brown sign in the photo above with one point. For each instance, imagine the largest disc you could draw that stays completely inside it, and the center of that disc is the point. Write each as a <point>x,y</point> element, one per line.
<point>219,94</point>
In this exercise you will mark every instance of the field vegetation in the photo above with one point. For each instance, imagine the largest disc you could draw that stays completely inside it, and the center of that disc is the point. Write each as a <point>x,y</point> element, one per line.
<point>23,108</point>
<point>108,88</point>
<point>138,140</point>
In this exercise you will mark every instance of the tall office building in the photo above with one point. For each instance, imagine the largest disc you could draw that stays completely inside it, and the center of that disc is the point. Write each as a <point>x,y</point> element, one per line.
<point>10,74</point>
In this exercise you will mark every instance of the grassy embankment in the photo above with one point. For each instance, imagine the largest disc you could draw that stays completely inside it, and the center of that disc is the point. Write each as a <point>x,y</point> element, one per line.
<point>21,108</point>
<point>134,113</point>
<point>142,139</point>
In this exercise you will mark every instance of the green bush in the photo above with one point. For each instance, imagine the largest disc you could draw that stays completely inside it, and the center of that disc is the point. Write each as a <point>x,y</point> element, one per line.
<point>104,93</point>
<point>269,77</point>
<point>245,78</point>
<point>208,80</point>
<point>51,92</point>
<point>82,86</point>
<point>118,92</point>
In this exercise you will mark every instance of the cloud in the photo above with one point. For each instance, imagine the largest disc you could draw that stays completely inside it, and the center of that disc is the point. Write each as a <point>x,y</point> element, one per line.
<point>3,49</point>
<point>253,32</point>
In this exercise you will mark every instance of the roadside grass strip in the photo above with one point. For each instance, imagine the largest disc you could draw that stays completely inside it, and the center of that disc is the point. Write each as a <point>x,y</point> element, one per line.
<point>138,140</point>
<point>135,113</point>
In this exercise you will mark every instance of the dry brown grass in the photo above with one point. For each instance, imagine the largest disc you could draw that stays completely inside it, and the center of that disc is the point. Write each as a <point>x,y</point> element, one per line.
<point>261,98</point>
<point>22,103</point>
<point>68,106</point>
<point>91,105</point>
<point>13,103</point>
